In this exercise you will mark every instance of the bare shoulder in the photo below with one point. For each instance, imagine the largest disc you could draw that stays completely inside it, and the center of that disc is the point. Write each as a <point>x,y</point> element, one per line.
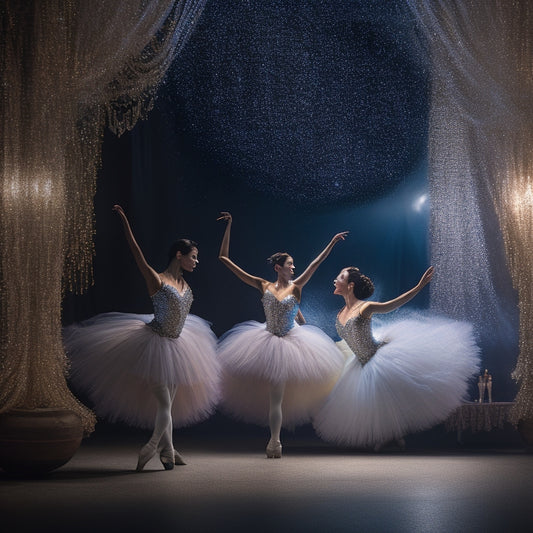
<point>267,286</point>
<point>369,308</point>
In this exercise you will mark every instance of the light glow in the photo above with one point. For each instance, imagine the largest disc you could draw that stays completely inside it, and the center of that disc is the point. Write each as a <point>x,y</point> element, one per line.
<point>420,202</point>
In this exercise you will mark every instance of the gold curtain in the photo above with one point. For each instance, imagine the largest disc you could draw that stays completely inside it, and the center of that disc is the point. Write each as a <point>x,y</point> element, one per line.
<point>69,67</point>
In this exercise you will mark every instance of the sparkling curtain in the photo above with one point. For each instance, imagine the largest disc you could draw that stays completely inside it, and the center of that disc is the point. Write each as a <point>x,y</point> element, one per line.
<point>481,163</point>
<point>68,69</point>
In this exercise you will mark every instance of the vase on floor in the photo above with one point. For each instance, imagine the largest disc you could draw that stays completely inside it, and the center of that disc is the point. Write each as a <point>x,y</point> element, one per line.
<point>37,441</point>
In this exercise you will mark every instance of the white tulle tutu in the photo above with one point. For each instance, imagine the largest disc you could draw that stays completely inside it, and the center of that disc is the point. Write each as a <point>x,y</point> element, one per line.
<point>253,359</point>
<point>411,383</point>
<point>115,357</point>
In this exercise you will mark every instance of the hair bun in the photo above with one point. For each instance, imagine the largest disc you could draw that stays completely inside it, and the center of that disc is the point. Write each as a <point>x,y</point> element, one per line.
<point>278,258</point>
<point>362,285</point>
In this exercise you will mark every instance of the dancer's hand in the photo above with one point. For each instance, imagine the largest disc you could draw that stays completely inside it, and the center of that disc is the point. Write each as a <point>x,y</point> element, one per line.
<point>224,215</point>
<point>426,277</point>
<point>118,209</point>
<point>339,237</point>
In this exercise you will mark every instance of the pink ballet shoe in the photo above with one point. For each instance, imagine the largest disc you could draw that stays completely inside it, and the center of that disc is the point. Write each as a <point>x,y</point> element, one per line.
<point>273,449</point>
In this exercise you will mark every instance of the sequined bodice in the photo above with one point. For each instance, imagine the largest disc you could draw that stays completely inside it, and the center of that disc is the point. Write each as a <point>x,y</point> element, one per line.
<point>280,314</point>
<point>357,332</point>
<point>170,310</point>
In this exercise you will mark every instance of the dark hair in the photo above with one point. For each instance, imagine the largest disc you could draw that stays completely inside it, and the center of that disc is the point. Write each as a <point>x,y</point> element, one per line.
<point>362,285</point>
<point>278,258</point>
<point>184,246</point>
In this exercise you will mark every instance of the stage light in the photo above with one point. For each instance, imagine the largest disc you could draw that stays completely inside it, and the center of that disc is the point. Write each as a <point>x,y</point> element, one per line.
<point>420,202</point>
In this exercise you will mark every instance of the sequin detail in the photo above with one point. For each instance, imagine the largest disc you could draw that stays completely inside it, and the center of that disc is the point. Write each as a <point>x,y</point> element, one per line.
<point>279,314</point>
<point>357,332</point>
<point>170,310</point>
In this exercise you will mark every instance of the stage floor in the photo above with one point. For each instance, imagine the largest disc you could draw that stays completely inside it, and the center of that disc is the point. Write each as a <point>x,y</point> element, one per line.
<point>229,486</point>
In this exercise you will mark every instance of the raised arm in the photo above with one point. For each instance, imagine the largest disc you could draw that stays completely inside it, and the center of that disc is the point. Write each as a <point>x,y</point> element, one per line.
<point>385,307</point>
<point>223,255</point>
<point>303,278</point>
<point>152,279</point>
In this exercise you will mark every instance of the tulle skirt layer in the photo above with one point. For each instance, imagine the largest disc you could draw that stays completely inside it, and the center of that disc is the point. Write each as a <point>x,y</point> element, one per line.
<point>412,383</point>
<point>116,359</point>
<point>306,360</point>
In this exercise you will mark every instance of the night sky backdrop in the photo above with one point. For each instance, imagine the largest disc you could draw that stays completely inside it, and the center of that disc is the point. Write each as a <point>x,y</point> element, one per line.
<point>301,118</point>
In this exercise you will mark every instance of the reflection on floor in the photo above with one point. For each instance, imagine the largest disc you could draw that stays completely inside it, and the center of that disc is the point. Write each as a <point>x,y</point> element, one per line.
<point>434,485</point>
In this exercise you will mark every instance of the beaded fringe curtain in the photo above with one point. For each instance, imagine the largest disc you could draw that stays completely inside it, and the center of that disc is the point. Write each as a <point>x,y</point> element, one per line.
<point>481,154</point>
<point>68,69</point>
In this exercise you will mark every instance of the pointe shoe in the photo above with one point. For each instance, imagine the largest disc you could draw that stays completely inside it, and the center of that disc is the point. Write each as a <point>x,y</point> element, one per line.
<point>146,453</point>
<point>178,459</point>
<point>167,461</point>
<point>273,450</point>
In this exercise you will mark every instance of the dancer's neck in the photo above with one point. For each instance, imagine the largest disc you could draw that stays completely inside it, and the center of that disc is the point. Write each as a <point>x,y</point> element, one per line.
<point>174,273</point>
<point>282,283</point>
<point>351,302</point>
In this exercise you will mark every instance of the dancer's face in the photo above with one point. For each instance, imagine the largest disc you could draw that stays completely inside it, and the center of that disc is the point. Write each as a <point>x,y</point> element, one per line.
<point>188,261</point>
<point>287,270</point>
<point>341,283</point>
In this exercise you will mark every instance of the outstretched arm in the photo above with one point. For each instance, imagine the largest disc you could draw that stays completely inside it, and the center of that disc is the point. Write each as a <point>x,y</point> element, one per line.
<point>385,307</point>
<point>223,255</point>
<point>152,279</point>
<point>301,280</point>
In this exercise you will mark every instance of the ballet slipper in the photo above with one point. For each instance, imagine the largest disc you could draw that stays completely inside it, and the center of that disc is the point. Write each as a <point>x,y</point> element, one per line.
<point>178,459</point>
<point>146,453</point>
<point>273,449</point>
<point>167,460</point>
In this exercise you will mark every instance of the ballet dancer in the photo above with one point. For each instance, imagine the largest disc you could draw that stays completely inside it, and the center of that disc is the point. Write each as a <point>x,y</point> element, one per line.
<point>150,371</point>
<point>278,372</point>
<point>407,378</point>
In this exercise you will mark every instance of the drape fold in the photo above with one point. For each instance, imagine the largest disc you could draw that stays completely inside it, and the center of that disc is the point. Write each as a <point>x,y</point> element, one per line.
<point>69,68</point>
<point>481,161</point>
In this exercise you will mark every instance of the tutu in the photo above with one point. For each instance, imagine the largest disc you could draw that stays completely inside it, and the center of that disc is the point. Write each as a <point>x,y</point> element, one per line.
<point>116,357</point>
<point>253,358</point>
<point>414,380</point>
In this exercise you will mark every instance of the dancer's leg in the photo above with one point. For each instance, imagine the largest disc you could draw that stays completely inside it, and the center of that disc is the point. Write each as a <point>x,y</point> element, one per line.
<point>160,439</point>
<point>168,436</point>
<point>165,396</point>
<point>275,418</point>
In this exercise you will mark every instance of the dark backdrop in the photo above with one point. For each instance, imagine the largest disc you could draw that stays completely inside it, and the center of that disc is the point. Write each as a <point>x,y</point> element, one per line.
<point>302,118</point>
